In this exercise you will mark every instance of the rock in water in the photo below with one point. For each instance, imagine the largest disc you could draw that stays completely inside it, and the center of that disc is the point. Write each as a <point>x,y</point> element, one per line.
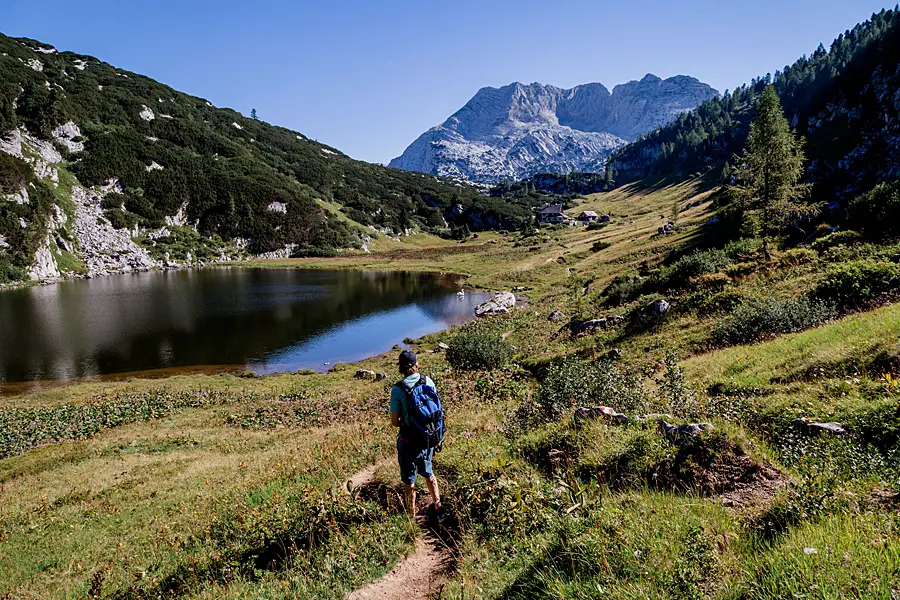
<point>500,304</point>
<point>519,130</point>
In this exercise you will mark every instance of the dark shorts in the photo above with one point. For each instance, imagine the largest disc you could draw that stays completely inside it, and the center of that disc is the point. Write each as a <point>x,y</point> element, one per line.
<point>413,461</point>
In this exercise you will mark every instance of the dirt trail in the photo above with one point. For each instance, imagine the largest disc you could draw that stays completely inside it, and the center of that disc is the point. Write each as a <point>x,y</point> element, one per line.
<point>419,576</point>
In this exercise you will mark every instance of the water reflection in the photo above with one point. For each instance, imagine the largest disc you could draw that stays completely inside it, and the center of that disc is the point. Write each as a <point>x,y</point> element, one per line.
<point>273,319</point>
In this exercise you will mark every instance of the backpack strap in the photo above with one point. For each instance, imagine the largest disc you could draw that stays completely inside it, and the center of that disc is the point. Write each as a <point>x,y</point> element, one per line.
<point>408,391</point>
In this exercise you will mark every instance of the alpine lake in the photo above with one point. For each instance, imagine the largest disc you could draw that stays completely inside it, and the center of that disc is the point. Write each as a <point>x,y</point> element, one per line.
<point>263,320</point>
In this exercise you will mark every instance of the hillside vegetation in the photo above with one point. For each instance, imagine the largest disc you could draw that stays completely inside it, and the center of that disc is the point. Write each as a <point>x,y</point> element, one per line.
<point>842,99</point>
<point>228,176</point>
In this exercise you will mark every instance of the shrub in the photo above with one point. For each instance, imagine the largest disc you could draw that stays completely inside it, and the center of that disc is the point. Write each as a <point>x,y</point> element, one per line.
<point>575,383</point>
<point>623,289</point>
<point>473,350</point>
<point>710,281</point>
<point>307,251</point>
<point>600,245</point>
<point>597,226</point>
<point>724,301</point>
<point>838,238</point>
<point>697,263</point>
<point>852,283</point>
<point>878,211</point>
<point>757,318</point>
<point>798,256</point>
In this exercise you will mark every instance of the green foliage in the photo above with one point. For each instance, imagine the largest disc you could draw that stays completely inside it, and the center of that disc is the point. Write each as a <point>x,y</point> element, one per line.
<point>22,429</point>
<point>573,383</point>
<point>878,211</point>
<point>473,350</point>
<point>757,318</point>
<point>853,283</point>
<point>842,74</point>
<point>771,165</point>
<point>14,173</point>
<point>832,240</point>
<point>226,176</point>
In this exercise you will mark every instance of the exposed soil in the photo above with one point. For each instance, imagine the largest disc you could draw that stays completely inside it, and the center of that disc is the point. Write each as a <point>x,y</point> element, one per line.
<point>422,574</point>
<point>756,492</point>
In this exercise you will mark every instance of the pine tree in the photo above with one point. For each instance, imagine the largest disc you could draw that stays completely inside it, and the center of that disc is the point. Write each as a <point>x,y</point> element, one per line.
<point>253,114</point>
<point>771,166</point>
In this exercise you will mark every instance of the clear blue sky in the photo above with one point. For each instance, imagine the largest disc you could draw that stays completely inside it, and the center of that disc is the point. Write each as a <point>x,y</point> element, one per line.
<point>369,76</point>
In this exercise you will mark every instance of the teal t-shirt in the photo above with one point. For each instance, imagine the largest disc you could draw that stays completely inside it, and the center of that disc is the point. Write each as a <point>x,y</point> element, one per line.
<point>398,396</point>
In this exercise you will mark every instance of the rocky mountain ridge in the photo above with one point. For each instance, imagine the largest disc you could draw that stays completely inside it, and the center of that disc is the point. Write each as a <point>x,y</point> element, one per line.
<point>518,130</point>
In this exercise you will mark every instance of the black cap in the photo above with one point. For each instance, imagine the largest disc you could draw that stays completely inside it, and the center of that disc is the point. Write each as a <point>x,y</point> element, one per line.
<point>407,359</point>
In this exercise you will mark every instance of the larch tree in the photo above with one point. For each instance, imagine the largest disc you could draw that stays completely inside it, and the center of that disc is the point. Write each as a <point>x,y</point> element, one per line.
<point>770,167</point>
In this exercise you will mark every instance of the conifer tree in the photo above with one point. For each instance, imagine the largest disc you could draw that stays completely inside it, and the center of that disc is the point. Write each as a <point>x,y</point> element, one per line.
<point>771,166</point>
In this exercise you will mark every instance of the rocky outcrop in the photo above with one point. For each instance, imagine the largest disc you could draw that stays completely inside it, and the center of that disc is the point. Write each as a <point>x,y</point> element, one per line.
<point>513,132</point>
<point>104,249</point>
<point>500,304</point>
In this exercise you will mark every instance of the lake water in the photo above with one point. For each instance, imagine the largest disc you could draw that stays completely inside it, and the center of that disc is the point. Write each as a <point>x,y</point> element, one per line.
<point>266,320</point>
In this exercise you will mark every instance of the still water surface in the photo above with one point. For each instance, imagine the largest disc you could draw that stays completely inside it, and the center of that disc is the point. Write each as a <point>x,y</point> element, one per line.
<point>268,320</point>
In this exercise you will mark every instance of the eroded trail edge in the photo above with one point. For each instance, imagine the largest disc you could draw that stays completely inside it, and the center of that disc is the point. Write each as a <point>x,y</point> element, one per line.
<point>420,575</point>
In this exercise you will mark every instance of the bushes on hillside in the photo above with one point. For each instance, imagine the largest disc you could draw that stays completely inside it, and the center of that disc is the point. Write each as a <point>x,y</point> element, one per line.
<point>473,350</point>
<point>838,238</point>
<point>758,317</point>
<point>575,383</point>
<point>878,211</point>
<point>851,284</point>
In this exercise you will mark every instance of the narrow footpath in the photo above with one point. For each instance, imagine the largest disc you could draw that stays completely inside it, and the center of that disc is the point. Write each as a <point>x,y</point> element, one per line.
<point>419,576</point>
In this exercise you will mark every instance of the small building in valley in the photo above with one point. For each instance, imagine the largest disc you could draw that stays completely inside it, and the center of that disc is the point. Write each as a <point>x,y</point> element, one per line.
<point>552,213</point>
<point>588,216</point>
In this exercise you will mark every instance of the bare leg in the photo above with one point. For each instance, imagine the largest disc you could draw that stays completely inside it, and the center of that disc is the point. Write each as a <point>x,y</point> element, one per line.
<point>411,500</point>
<point>432,484</point>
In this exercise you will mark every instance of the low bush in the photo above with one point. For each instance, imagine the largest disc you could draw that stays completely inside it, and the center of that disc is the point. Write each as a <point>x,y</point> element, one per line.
<point>574,383</point>
<point>600,245</point>
<point>878,211</point>
<point>838,238</point>
<point>757,318</point>
<point>852,283</point>
<point>724,301</point>
<point>474,350</point>
<point>798,256</point>
<point>622,290</point>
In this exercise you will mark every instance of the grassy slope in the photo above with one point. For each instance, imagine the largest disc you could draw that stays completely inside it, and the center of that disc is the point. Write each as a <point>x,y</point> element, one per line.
<point>185,502</point>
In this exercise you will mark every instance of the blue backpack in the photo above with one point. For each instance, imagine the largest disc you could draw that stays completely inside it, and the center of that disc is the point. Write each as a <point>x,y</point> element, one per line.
<point>425,414</point>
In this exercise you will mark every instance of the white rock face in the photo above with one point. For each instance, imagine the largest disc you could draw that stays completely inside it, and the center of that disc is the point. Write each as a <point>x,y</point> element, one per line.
<point>154,166</point>
<point>518,130</point>
<point>104,248</point>
<point>66,134</point>
<point>79,64</point>
<point>179,219</point>
<point>20,197</point>
<point>327,151</point>
<point>35,64</point>
<point>44,267</point>
<point>11,143</point>
<point>237,126</point>
<point>279,207</point>
<point>147,114</point>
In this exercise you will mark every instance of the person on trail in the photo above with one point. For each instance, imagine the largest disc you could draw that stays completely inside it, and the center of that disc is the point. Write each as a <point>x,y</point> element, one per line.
<point>416,410</point>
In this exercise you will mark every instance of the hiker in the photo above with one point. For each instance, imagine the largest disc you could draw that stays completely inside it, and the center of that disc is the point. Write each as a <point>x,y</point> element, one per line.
<point>416,410</point>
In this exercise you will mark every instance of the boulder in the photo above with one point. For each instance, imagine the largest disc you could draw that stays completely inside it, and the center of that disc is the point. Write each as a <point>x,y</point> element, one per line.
<point>679,434</point>
<point>442,347</point>
<point>500,304</point>
<point>614,354</point>
<point>589,325</point>
<point>557,315</point>
<point>380,376</point>
<point>659,307</point>
<point>810,427</point>
<point>365,374</point>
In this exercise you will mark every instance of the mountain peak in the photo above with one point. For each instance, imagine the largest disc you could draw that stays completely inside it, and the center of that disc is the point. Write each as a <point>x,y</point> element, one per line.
<point>520,129</point>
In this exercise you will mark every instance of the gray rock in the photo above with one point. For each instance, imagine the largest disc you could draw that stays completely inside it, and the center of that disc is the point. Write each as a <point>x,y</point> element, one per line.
<point>810,427</point>
<point>659,307</point>
<point>614,354</point>
<point>500,304</point>
<point>365,374</point>
<point>380,376</point>
<point>679,434</point>
<point>557,315</point>
<point>519,130</point>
